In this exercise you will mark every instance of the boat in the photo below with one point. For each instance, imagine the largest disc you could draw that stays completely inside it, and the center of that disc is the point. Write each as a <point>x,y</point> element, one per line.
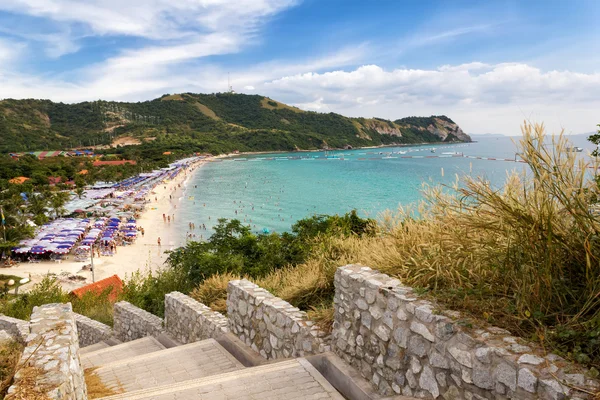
<point>575,149</point>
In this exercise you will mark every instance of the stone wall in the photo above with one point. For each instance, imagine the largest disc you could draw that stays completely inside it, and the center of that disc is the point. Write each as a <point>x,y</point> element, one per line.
<point>187,320</point>
<point>91,331</point>
<point>271,326</point>
<point>131,322</point>
<point>404,345</point>
<point>51,354</point>
<point>16,327</point>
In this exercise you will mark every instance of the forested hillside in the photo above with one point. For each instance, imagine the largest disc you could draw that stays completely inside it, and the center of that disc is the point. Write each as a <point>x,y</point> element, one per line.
<point>203,122</point>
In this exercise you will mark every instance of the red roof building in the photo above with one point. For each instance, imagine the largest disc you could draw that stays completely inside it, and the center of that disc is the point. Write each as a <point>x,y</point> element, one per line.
<point>54,180</point>
<point>99,287</point>
<point>119,162</point>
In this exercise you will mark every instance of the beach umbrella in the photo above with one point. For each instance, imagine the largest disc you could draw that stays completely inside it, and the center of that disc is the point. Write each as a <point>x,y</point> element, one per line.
<point>38,250</point>
<point>64,246</point>
<point>22,250</point>
<point>130,234</point>
<point>61,251</point>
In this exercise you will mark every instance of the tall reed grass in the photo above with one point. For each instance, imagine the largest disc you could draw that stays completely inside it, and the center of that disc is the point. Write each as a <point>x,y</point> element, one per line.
<point>525,256</point>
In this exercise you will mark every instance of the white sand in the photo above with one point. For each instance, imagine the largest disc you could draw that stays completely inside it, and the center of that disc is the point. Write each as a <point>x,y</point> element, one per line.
<point>144,254</point>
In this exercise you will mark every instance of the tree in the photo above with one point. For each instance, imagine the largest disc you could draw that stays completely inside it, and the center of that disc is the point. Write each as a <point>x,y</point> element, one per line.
<point>595,138</point>
<point>79,191</point>
<point>58,201</point>
<point>38,206</point>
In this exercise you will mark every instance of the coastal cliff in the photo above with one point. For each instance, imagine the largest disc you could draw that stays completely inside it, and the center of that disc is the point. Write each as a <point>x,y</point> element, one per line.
<point>216,123</point>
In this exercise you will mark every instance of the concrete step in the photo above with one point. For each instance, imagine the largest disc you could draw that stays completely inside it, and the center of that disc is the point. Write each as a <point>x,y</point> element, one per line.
<point>93,347</point>
<point>286,380</point>
<point>121,352</point>
<point>169,366</point>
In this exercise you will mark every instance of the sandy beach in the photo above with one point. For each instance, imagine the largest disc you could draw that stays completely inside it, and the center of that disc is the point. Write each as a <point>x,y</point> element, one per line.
<point>144,254</point>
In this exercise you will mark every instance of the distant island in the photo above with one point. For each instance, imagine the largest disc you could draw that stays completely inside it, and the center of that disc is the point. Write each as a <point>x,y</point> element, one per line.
<point>210,123</point>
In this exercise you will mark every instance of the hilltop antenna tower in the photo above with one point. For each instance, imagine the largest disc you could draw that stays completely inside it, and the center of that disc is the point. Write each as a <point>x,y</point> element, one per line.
<point>229,87</point>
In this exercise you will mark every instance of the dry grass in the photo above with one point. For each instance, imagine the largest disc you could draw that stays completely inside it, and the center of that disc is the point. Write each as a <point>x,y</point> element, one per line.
<point>96,388</point>
<point>29,387</point>
<point>264,103</point>
<point>10,354</point>
<point>206,111</point>
<point>525,257</point>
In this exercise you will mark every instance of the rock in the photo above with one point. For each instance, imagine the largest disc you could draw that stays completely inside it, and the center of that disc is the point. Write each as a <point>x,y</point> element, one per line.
<point>401,336</point>
<point>415,365</point>
<point>428,382</point>
<point>507,375</point>
<point>462,356</point>
<point>519,348</point>
<point>361,304</point>
<point>482,377</point>
<point>530,359</point>
<point>440,377</point>
<point>5,337</point>
<point>452,394</point>
<point>575,379</point>
<point>418,346</point>
<point>437,360</point>
<point>383,332</point>
<point>527,380</point>
<point>552,389</point>
<point>375,312</point>
<point>422,330</point>
<point>410,378</point>
<point>484,354</point>
<point>401,314</point>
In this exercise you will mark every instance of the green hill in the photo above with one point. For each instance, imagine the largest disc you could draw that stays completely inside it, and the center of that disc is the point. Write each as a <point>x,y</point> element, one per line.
<point>204,122</point>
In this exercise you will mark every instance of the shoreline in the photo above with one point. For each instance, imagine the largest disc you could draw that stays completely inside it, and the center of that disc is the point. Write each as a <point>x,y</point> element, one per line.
<point>249,153</point>
<point>144,255</point>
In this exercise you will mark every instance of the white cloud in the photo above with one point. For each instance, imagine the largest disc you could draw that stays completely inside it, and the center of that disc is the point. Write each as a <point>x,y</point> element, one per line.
<point>489,97</point>
<point>9,52</point>
<point>177,37</point>
<point>154,19</point>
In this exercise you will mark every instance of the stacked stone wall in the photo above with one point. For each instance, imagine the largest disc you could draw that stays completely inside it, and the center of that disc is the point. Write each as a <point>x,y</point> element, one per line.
<point>270,326</point>
<point>405,345</point>
<point>18,328</point>
<point>131,322</point>
<point>51,355</point>
<point>188,320</point>
<point>91,331</point>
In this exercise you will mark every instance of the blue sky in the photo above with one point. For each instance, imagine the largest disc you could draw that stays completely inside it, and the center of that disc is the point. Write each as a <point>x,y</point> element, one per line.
<point>487,64</point>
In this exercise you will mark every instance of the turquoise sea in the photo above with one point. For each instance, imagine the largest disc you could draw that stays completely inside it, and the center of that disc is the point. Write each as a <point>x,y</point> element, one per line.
<point>272,191</point>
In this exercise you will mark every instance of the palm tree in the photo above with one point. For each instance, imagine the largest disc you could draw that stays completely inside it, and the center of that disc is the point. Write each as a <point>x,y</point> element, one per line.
<point>37,204</point>
<point>79,191</point>
<point>58,201</point>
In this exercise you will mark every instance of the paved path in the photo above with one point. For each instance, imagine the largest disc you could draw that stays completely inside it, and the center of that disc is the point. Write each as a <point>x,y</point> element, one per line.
<point>286,380</point>
<point>120,352</point>
<point>177,364</point>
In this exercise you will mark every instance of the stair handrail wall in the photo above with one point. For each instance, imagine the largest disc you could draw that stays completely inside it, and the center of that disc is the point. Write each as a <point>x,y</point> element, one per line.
<point>271,326</point>
<point>406,345</point>
<point>131,322</point>
<point>188,320</point>
<point>91,331</point>
<point>51,357</point>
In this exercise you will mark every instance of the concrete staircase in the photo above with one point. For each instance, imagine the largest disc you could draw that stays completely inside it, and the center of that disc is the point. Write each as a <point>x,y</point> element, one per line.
<point>146,369</point>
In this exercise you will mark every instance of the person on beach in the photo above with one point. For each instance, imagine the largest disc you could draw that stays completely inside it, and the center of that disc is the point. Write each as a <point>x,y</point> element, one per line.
<point>168,219</point>
<point>158,241</point>
<point>164,218</point>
